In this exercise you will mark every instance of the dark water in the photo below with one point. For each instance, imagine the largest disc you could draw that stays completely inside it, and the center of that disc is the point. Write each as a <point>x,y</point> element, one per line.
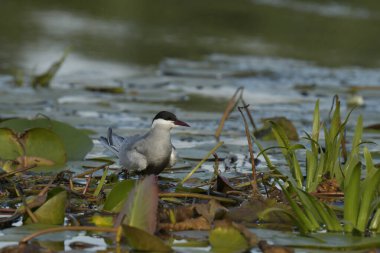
<point>332,33</point>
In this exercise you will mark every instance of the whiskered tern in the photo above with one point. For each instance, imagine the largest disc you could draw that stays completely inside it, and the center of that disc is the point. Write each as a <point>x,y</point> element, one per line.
<point>150,153</point>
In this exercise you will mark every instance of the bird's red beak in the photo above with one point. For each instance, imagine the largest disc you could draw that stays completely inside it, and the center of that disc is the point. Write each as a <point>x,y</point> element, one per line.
<point>181,123</point>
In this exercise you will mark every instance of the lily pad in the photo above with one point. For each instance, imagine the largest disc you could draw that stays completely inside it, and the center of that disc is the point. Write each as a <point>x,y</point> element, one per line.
<point>53,210</point>
<point>227,239</point>
<point>141,206</point>
<point>142,241</point>
<point>118,196</point>
<point>38,148</point>
<point>76,143</point>
<point>10,147</point>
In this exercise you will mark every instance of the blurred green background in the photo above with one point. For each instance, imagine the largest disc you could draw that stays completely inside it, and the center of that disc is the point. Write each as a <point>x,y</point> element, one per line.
<point>142,32</point>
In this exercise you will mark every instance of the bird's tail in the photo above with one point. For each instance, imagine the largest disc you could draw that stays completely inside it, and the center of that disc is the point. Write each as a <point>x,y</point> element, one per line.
<point>113,141</point>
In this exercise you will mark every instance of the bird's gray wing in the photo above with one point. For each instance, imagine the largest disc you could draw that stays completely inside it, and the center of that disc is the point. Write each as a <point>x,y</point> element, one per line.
<point>112,142</point>
<point>132,155</point>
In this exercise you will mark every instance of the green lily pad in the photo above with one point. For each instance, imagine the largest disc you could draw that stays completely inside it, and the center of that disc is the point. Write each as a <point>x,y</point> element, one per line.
<point>118,196</point>
<point>53,210</point>
<point>143,241</point>
<point>76,143</point>
<point>10,147</point>
<point>141,206</point>
<point>227,239</point>
<point>39,148</point>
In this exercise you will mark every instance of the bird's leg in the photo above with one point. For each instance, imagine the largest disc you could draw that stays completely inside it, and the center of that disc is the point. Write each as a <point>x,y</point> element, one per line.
<point>124,173</point>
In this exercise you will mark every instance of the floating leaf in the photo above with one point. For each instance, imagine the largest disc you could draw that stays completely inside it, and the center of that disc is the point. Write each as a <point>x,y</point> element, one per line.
<point>43,148</point>
<point>10,147</point>
<point>76,143</point>
<point>227,239</point>
<point>53,210</point>
<point>118,196</point>
<point>142,241</point>
<point>36,148</point>
<point>141,206</point>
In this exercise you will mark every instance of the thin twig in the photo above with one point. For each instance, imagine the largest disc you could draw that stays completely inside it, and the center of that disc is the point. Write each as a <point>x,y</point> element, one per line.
<point>230,106</point>
<point>46,188</point>
<point>28,211</point>
<point>245,105</point>
<point>216,164</point>
<point>88,179</point>
<point>250,148</point>
<point>26,239</point>
<point>91,171</point>
<point>194,195</point>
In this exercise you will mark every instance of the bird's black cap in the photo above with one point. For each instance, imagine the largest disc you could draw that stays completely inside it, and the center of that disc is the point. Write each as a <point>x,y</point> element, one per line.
<point>170,116</point>
<point>166,116</point>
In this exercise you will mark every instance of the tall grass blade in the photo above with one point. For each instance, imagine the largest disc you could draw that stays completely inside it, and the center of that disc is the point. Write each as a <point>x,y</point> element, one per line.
<point>351,198</point>
<point>301,216</point>
<point>301,226</point>
<point>357,136</point>
<point>335,223</point>
<point>218,145</point>
<point>335,120</point>
<point>354,154</point>
<point>309,208</point>
<point>101,182</point>
<point>368,160</point>
<point>324,214</point>
<point>316,129</point>
<point>375,223</point>
<point>369,193</point>
<point>263,153</point>
<point>288,153</point>
<point>311,171</point>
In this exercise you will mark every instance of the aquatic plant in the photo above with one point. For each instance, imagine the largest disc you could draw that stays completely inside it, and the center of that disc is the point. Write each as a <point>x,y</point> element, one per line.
<point>330,162</point>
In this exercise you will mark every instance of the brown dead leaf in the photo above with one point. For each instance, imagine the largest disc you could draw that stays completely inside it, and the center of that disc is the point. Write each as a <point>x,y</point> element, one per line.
<point>211,211</point>
<point>181,213</point>
<point>223,185</point>
<point>199,223</point>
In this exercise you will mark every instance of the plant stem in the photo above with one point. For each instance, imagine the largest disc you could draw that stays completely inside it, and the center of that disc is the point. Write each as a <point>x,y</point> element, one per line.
<point>250,147</point>
<point>230,106</point>
<point>194,195</point>
<point>201,162</point>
